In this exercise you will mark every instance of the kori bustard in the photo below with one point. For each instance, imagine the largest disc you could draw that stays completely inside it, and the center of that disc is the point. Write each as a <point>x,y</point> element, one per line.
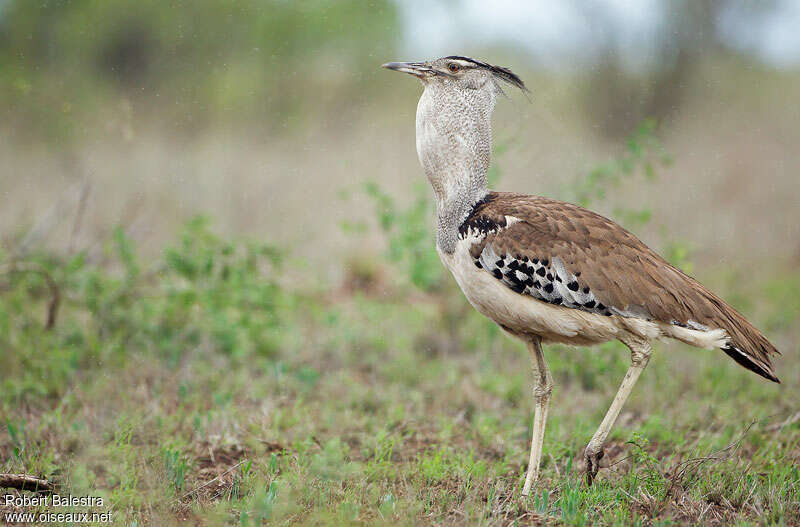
<point>549,271</point>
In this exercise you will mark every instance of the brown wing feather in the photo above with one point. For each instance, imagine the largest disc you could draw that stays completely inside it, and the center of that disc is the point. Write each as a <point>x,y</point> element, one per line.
<point>621,271</point>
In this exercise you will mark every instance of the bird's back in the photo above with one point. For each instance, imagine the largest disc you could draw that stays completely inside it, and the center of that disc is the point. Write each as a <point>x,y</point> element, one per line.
<point>565,255</point>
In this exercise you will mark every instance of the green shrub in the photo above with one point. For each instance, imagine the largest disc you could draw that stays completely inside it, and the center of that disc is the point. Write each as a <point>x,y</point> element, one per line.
<point>204,293</point>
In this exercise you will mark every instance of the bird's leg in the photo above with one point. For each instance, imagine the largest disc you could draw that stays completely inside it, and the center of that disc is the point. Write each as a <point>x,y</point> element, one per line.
<point>543,387</point>
<point>640,355</point>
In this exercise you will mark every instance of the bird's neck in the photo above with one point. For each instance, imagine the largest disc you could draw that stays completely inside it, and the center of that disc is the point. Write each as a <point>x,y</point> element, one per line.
<point>454,142</point>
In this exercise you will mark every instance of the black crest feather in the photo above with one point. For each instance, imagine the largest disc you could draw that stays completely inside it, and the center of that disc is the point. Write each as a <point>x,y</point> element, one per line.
<point>502,73</point>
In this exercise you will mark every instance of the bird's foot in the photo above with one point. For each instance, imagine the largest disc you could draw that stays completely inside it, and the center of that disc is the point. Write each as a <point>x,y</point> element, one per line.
<point>592,455</point>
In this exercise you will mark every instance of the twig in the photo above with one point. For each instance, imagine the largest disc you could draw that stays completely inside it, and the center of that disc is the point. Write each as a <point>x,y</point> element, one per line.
<point>617,462</point>
<point>55,293</point>
<point>780,426</point>
<point>49,220</point>
<point>209,482</point>
<point>25,482</point>
<point>681,468</point>
<point>76,225</point>
<point>703,513</point>
<point>555,465</point>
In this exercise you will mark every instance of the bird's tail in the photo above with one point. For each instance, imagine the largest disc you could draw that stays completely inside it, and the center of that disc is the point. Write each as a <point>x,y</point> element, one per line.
<point>746,344</point>
<point>761,366</point>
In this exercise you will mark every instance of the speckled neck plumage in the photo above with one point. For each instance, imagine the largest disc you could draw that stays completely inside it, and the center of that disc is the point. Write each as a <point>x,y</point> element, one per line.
<point>454,143</point>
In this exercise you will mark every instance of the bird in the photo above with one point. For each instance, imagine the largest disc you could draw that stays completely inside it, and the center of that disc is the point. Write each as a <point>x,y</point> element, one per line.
<point>548,271</point>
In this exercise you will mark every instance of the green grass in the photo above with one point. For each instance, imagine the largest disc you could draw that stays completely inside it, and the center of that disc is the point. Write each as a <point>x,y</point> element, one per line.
<point>345,406</point>
<point>217,385</point>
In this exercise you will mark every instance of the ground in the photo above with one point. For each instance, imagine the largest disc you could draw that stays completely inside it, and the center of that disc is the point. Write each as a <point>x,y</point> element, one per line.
<point>205,387</point>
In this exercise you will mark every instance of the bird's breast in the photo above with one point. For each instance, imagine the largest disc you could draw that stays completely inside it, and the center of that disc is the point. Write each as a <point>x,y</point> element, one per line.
<point>523,314</point>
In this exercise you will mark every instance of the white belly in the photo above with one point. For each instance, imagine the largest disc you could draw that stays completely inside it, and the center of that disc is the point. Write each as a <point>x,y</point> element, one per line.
<point>522,314</point>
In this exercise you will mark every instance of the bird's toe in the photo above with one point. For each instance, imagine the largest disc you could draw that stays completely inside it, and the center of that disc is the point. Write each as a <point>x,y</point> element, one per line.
<point>592,457</point>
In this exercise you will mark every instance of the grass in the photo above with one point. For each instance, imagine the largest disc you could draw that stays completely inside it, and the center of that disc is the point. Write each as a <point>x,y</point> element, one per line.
<point>217,385</point>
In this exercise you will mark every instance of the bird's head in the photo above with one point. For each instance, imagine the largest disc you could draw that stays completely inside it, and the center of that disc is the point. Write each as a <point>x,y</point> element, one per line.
<point>459,74</point>
<point>454,129</point>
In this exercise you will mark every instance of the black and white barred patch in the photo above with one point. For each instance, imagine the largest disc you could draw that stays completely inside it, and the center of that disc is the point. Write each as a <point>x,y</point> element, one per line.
<point>478,227</point>
<point>545,279</point>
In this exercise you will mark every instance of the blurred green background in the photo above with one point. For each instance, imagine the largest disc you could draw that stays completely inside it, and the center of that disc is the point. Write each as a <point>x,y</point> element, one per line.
<point>258,112</point>
<point>220,300</point>
<point>188,66</point>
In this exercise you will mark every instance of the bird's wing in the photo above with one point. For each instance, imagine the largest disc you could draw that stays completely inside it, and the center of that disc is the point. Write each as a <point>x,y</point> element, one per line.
<point>564,254</point>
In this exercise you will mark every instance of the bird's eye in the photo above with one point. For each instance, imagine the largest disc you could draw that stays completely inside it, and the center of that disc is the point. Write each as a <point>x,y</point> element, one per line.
<point>453,67</point>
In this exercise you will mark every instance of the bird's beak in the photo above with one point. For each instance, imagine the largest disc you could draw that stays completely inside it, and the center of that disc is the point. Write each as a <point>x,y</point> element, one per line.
<point>417,69</point>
